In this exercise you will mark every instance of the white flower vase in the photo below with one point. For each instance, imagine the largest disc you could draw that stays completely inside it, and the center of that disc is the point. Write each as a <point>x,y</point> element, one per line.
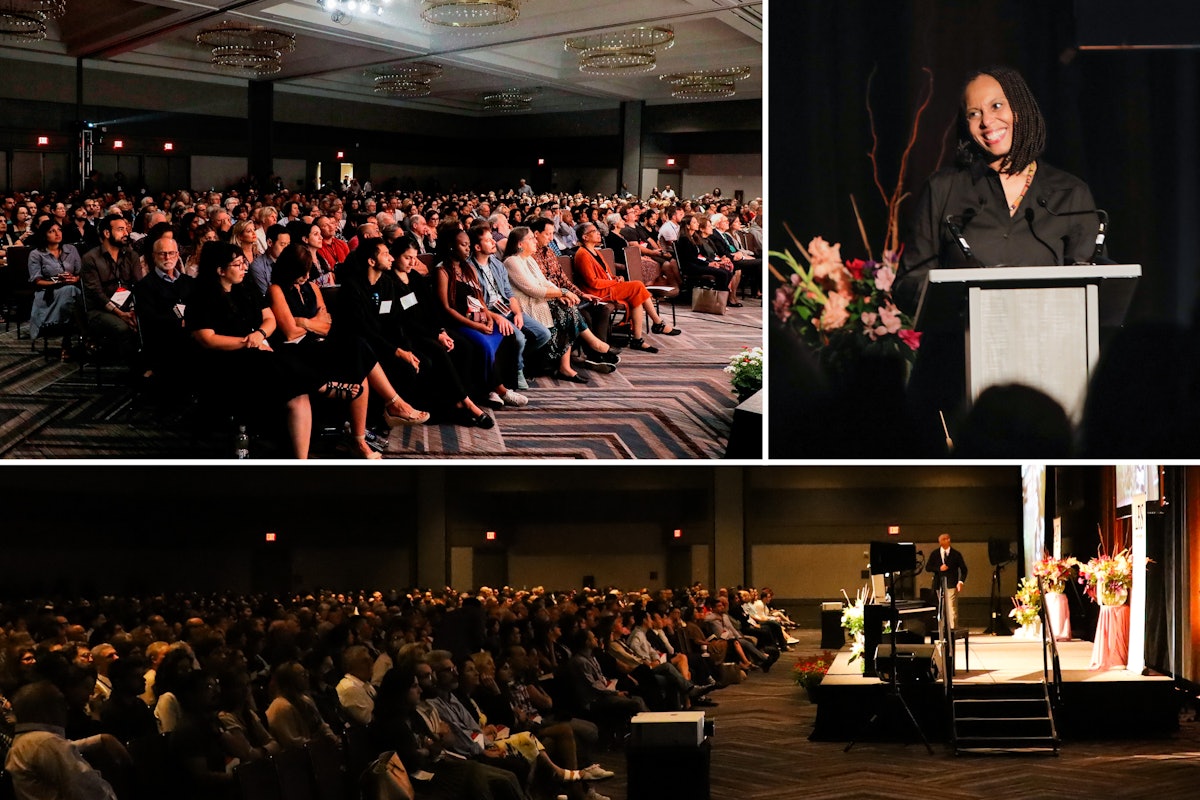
<point>1032,630</point>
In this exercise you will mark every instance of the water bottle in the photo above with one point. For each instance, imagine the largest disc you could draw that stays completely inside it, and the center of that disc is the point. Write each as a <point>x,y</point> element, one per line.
<point>241,443</point>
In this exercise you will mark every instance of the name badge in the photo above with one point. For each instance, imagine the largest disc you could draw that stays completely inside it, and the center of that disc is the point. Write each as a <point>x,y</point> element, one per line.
<point>385,307</point>
<point>120,297</point>
<point>408,301</point>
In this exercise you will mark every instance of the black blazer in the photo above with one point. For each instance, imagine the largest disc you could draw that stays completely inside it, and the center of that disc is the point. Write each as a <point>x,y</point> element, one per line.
<point>956,563</point>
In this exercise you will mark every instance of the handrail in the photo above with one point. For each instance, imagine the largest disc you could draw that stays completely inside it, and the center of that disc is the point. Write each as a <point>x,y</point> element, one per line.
<point>1050,660</point>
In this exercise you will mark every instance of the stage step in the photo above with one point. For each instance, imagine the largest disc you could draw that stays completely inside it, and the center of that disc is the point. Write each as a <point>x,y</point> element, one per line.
<point>1003,718</point>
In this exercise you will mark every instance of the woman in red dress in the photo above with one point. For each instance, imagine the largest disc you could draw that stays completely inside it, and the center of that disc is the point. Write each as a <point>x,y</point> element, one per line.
<point>592,275</point>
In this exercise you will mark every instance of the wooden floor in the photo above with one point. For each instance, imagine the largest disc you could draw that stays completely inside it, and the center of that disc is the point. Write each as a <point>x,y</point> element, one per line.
<point>761,752</point>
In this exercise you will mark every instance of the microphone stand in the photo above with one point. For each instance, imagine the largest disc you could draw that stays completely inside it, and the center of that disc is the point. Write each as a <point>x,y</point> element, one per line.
<point>892,695</point>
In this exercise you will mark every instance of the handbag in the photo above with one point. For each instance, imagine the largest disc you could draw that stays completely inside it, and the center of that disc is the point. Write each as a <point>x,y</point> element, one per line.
<point>709,301</point>
<point>387,779</point>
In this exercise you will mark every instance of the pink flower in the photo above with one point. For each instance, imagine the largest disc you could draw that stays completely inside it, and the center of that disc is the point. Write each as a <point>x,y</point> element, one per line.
<point>827,261</point>
<point>869,318</point>
<point>910,338</point>
<point>889,316</point>
<point>884,276</point>
<point>834,315</point>
<point>782,304</point>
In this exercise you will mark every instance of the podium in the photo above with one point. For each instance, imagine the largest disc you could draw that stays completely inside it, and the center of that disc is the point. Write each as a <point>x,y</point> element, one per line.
<point>1038,326</point>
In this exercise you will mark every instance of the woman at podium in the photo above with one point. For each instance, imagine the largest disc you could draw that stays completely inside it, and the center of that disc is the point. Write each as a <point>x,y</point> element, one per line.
<point>998,205</point>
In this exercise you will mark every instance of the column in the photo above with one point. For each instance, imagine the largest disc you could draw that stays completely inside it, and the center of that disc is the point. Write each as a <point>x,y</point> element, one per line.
<point>260,108</point>
<point>729,528</point>
<point>631,146</point>
<point>431,551</point>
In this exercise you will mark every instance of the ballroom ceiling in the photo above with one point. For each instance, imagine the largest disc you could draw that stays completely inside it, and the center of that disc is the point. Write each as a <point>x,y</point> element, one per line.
<point>341,58</point>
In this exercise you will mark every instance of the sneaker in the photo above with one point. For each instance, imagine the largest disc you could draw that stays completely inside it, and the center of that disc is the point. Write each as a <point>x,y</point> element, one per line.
<point>514,399</point>
<point>595,773</point>
<point>522,384</point>
<point>603,369</point>
<point>494,400</point>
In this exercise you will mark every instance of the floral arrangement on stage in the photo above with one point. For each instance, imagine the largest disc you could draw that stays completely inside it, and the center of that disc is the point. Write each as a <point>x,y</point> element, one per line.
<point>1055,572</point>
<point>809,672</point>
<point>1027,602</point>
<point>1108,577</point>
<point>852,620</point>
<point>843,308</point>
<point>746,371</point>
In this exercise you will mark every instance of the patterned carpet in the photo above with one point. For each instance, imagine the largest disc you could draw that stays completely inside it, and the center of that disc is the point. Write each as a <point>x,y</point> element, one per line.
<point>672,405</point>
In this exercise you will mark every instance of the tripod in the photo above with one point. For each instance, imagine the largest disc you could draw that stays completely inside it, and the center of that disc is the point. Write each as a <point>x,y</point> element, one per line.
<point>997,626</point>
<point>892,697</point>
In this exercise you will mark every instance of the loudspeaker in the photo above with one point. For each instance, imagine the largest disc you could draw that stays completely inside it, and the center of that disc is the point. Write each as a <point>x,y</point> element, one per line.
<point>999,552</point>
<point>913,663</point>
<point>892,557</point>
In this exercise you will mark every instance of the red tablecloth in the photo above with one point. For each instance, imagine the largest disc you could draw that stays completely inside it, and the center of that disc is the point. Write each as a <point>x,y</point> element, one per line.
<point>1060,616</point>
<point>1111,650</point>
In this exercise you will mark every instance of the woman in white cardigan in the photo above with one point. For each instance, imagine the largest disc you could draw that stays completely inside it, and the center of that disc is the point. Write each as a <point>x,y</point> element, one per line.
<point>549,305</point>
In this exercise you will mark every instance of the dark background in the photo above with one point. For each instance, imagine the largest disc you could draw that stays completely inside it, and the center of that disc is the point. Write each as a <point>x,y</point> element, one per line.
<point>1123,120</point>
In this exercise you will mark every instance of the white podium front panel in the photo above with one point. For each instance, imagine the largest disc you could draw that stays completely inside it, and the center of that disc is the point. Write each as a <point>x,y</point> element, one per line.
<point>1040,337</point>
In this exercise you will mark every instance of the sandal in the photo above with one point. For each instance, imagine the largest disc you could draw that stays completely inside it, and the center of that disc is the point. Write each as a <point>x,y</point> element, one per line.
<point>413,418</point>
<point>368,452</point>
<point>661,328</point>
<point>337,390</point>
<point>640,344</point>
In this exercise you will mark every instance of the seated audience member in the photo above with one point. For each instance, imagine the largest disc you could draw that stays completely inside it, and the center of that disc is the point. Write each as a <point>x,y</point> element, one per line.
<point>724,243</point>
<point>764,628</point>
<point>565,238</point>
<point>460,292</point>
<point>177,663</point>
<point>553,307</point>
<point>206,234</point>
<point>277,240</point>
<point>43,762</point>
<point>334,250</point>
<point>125,715</point>
<point>162,297</point>
<point>592,275</point>
<point>109,272</point>
<point>391,308</point>
<point>232,322</point>
<point>245,236</point>
<point>245,736</point>
<point>721,625</point>
<point>530,334</point>
<point>600,703</point>
<point>355,693</point>
<point>292,717</point>
<point>265,217</point>
<point>54,270</point>
<point>309,235</point>
<point>714,251</point>
<point>639,230</point>
<point>198,749</point>
<point>694,263</point>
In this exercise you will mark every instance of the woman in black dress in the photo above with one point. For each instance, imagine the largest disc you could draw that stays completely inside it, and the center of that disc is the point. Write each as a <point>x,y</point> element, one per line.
<point>693,261</point>
<point>393,311</point>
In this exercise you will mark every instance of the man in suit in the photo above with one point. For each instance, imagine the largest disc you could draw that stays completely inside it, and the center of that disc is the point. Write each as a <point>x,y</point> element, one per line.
<point>949,571</point>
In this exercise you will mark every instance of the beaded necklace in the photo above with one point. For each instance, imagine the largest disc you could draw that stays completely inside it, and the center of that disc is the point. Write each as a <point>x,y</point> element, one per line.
<point>1030,170</point>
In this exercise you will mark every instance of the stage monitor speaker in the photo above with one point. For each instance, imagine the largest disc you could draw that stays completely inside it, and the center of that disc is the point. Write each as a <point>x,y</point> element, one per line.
<point>913,663</point>
<point>999,551</point>
<point>892,557</point>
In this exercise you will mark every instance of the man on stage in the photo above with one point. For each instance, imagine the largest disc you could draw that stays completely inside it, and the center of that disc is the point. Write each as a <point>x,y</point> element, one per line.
<point>949,571</point>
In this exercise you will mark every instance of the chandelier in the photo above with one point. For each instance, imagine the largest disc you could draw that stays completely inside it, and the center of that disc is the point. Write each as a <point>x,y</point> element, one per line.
<point>25,20</point>
<point>250,51</point>
<point>470,13</point>
<point>407,80</point>
<point>340,11</point>
<point>705,84</point>
<point>509,100</point>
<point>626,52</point>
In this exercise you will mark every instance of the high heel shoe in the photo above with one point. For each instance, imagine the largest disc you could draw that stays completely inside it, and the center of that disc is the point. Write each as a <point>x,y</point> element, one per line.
<point>412,418</point>
<point>369,452</point>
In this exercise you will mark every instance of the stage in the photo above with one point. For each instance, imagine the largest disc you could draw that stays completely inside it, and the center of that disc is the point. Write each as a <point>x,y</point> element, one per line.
<point>1113,703</point>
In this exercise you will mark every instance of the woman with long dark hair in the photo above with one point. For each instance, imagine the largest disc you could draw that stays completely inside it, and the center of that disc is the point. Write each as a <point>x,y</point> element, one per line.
<point>695,260</point>
<point>53,270</point>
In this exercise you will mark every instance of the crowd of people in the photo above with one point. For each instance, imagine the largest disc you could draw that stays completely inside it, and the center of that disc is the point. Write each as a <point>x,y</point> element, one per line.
<point>494,693</point>
<point>400,306</point>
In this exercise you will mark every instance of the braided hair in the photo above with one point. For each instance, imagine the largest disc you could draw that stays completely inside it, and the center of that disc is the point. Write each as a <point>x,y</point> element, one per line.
<point>1029,128</point>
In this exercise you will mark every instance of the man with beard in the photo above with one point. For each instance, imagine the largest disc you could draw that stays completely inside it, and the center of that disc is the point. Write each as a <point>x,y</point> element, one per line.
<point>108,275</point>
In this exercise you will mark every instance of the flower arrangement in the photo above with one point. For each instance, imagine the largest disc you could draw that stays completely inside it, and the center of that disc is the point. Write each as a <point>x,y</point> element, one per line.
<point>746,371</point>
<point>809,672</point>
<point>1108,577</point>
<point>852,619</point>
<point>843,308</point>
<point>1027,602</point>
<point>1055,572</point>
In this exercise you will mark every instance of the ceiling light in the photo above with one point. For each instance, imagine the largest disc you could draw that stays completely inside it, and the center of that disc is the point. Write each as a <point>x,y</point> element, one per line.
<point>623,52</point>
<point>25,20</point>
<point>250,51</point>
<point>407,80</point>
<point>509,100</point>
<point>705,84</point>
<point>470,13</point>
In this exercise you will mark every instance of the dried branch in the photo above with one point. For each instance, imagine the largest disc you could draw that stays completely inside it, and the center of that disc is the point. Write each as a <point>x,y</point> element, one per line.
<point>861,230</point>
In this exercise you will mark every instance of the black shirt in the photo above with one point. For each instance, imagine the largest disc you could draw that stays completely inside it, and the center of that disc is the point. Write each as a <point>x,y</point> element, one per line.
<point>1030,237</point>
<point>234,313</point>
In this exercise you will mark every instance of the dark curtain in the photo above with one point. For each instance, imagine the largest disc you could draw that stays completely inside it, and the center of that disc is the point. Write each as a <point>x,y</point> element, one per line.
<point>1166,547</point>
<point>1123,121</point>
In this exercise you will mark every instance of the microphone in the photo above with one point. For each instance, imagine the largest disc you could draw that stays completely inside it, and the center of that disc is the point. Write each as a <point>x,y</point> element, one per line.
<point>1029,220</point>
<point>956,232</point>
<point>1101,232</point>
